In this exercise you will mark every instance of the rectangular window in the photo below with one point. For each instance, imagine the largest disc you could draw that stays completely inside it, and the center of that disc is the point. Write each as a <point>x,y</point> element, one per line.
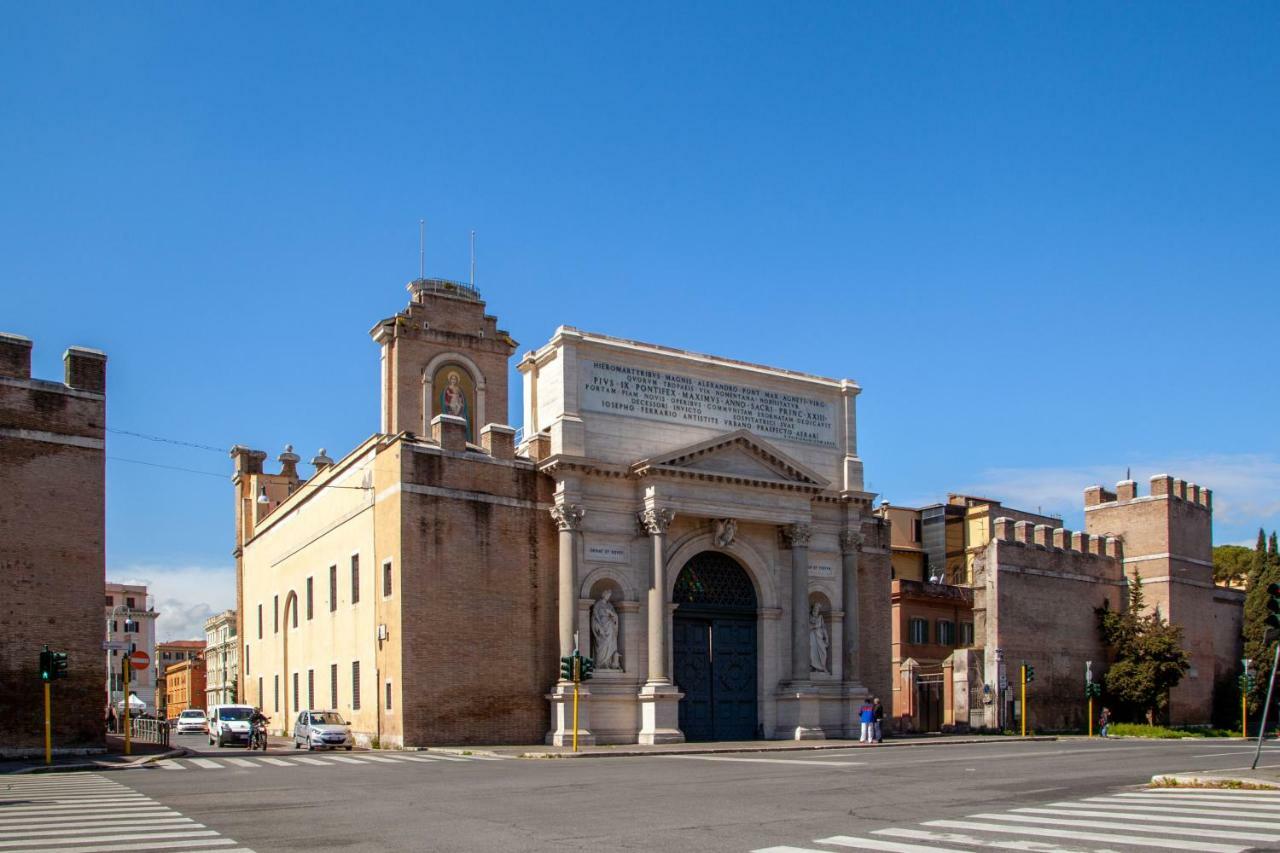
<point>295,610</point>
<point>310,586</point>
<point>246,658</point>
<point>919,631</point>
<point>355,685</point>
<point>355,578</point>
<point>259,621</point>
<point>128,602</point>
<point>275,614</point>
<point>311,688</point>
<point>966,633</point>
<point>388,695</point>
<point>295,691</point>
<point>386,578</point>
<point>276,702</point>
<point>333,686</point>
<point>333,588</point>
<point>946,632</point>
<point>261,699</point>
<point>916,531</point>
<point>110,601</point>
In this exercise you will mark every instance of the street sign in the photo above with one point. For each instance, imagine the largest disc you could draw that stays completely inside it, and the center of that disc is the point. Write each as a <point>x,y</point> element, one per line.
<point>115,645</point>
<point>139,660</point>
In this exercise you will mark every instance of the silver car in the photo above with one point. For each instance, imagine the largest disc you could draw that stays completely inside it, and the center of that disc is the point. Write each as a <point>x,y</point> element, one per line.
<point>322,730</point>
<point>192,720</point>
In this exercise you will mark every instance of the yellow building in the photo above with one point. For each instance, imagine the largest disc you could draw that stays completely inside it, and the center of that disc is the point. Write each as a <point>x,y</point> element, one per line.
<point>184,686</point>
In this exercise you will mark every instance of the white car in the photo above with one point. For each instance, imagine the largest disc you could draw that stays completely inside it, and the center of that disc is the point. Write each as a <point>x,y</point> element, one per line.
<point>192,720</point>
<point>229,724</point>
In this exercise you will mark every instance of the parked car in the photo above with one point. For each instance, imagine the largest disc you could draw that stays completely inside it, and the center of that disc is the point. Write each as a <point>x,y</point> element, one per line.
<point>322,730</point>
<point>229,724</point>
<point>192,720</point>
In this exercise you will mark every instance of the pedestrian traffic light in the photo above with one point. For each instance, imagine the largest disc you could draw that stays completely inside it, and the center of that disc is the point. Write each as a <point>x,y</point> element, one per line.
<point>585,667</point>
<point>59,660</point>
<point>46,665</point>
<point>1028,673</point>
<point>1273,605</point>
<point>566,668</point>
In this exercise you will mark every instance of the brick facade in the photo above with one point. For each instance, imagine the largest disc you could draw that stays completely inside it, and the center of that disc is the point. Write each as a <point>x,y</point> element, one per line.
<point>52,545</point>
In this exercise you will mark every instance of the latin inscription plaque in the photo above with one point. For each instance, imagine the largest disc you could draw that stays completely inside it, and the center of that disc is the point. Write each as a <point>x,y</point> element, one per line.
<point>657,395</point>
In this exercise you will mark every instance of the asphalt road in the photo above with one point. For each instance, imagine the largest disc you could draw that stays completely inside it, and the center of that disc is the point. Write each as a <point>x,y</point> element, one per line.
<point>735,802</point>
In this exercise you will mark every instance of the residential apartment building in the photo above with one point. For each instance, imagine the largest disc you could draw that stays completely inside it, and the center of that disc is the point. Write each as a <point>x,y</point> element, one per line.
<point>168,654</point>
<point>52,545</point>
<point>184,686</point>
<point>222,659</point>
<point>131,626</point>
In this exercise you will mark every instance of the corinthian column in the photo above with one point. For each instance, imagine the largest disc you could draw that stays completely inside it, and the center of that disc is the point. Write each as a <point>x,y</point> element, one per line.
<point>850,546</point>
<point>796,537</point>
<point>655,522</point>
<point>568,518</point>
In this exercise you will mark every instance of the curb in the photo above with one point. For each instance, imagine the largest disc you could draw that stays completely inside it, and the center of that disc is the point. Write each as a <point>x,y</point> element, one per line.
<point>100,766</point>
<point>809,746</point>
<point>1211,781</point>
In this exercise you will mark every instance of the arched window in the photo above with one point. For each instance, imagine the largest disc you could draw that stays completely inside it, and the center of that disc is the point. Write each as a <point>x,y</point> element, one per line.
<point>712,580</point>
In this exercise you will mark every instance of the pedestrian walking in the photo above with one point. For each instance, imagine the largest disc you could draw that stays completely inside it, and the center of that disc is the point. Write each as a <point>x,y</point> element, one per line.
<point>867,716</point>
<point>1104,722</point>
<point>877,714</point>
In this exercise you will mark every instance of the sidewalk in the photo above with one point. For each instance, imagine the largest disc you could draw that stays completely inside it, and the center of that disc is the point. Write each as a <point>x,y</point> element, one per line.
<point>539,751</point>
<point>1263,777</point>
<point>113,759</point>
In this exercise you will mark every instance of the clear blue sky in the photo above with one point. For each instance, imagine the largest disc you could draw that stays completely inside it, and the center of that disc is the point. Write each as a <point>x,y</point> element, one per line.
<point>1043,237</point>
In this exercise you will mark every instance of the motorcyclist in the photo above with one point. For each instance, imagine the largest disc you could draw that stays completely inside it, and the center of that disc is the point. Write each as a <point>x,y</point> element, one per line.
<point>258,723</point>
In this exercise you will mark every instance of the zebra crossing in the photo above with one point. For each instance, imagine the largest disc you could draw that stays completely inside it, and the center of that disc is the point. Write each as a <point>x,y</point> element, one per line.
<point>1214,820</point>
<point>88,813</point>
<point>225,762</point>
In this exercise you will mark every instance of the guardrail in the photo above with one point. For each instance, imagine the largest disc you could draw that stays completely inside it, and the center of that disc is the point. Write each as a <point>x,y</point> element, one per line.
<point>148,730</point>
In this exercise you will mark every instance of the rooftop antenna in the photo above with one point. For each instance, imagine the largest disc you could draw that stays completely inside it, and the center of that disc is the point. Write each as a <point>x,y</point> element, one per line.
<point>422,249</point>
<point>473,257</point>
<point>1128,472</point>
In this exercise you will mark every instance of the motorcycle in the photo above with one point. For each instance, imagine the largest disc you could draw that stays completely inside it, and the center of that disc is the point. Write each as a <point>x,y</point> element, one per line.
<point>258,736</point>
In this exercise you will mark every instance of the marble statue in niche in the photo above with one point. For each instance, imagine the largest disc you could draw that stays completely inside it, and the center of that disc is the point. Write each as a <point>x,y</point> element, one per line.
<point>819,640</point>
<point>725,531</point>
<point>604,633</point>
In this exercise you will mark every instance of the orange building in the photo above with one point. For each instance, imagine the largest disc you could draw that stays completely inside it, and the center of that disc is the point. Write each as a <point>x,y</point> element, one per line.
<point>184,686</point>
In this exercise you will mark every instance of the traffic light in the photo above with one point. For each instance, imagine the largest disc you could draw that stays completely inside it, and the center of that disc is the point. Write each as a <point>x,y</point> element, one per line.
<point>1092,689</point>
<point>1273,605</point>
<point>585,668</point>
<point>1028,673</point>
<point>59,660</point>
<point>46,665</point>
<point>566,668</point>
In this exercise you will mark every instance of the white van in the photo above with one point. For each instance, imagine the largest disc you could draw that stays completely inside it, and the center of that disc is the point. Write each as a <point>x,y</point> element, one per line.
<point>229,724</point>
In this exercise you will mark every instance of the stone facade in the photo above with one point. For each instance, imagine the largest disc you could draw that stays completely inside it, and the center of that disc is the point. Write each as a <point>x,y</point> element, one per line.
<point>222,659</point>
<point>52,545</point>
<point>168,654</point>
<point>131,622</point>
<point>184,685</point>
<point>437,572</point>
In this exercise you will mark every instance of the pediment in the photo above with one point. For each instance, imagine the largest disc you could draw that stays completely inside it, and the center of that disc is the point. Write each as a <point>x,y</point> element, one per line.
<point>737,456</point>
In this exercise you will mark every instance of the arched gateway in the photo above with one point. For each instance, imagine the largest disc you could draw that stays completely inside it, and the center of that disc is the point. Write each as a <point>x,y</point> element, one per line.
<point>714,647</point>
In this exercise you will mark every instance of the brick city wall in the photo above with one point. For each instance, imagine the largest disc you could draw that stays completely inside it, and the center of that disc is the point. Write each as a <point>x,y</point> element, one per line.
<point>479,599</point>
<point>875,614</point>
<point>1042,588</point>
<point>52,546</point>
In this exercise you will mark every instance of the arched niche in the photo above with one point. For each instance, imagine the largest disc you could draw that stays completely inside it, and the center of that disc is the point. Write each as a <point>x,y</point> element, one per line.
<point>469,383</point>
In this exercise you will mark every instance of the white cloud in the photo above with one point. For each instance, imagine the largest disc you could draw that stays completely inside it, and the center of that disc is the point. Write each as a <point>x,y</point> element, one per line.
<point>184,597</point>
<point>1246,487</point>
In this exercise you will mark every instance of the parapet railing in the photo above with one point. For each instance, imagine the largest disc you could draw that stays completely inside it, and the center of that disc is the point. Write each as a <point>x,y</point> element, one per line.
<point>447,286</point>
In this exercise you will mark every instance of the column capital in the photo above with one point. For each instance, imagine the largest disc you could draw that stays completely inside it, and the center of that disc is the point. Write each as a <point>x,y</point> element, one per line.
<point>850,542</point>
<point>655,521</point>
<point>795,535</point>
<point>568,516</point>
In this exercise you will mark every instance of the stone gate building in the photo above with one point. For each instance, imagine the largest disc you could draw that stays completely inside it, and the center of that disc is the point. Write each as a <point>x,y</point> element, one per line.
<point>697,524</point>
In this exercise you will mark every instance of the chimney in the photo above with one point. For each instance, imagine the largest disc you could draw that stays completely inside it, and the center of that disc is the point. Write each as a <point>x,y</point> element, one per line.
<point>86,369</point>
<point>15,356</point>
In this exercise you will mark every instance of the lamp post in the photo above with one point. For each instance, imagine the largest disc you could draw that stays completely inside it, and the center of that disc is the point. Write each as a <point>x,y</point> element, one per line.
<point>125,667</point>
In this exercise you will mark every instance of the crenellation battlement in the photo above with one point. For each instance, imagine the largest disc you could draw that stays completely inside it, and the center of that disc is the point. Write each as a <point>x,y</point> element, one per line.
<point>1162,486</point>
<point>1057,539</point>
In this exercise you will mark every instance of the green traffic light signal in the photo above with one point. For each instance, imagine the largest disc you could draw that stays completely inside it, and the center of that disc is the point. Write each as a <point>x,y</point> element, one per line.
<point>46,665</point>
<point>566,668</point>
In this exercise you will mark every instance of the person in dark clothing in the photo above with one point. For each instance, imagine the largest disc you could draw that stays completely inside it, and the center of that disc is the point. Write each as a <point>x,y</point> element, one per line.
<point>878,716</point>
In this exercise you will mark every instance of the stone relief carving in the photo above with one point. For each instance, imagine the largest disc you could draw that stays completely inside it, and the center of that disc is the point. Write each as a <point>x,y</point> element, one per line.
<point>725,531</point>
<point>819,640</point>
<point>655,521</point>
<point>604,633</point>
<point>850,541</point>
<point>796,535</point>
<point>568,516</point>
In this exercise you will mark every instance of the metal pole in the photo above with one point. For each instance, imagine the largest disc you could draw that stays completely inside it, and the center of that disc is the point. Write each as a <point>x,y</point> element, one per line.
<point>128,735</point>
<point>1090,716</point>
<point>1262,727</point>
<point>1023,715</point>
<point>576,673</point>
<point>1244,715</point>
<point>48,727</point>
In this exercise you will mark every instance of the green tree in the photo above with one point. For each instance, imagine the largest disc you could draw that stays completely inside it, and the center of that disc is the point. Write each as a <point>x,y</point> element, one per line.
<point>1257,645</point>
<point>1273,551</point>
<point>1147,658</point>
<point>1232,564</point>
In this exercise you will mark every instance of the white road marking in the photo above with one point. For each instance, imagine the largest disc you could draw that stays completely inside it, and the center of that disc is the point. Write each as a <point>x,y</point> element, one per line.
<point>1106,838</point>
<point>1102,824</point>
<point>807,763</point>
<point>975,841</point>
<point>344,759</point>
<point>241,762</point>
<point>275,761</point>
<point>169,764</point>
<point>878,844</point>
<point>304,759</point>
<point>206,763</point>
